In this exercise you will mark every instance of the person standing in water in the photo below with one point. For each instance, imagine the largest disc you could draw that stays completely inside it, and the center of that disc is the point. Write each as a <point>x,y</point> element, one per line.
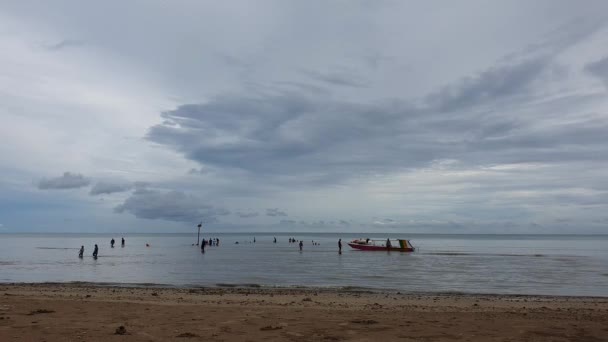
<point>112,243</point>
<point>339,246</point>
<point>122,243</point>
<point>301,245</point>
<point>95,251</point>
<point>275,240</point>
<point>81,253</point>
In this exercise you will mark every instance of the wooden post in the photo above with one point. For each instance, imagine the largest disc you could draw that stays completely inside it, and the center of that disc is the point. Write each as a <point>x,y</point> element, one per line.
<point>198,236</point>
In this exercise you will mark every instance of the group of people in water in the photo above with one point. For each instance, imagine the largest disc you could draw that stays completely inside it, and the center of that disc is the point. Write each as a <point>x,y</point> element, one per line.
<point>210,242</point>
<point>96,248</point>
<point>122,244</point>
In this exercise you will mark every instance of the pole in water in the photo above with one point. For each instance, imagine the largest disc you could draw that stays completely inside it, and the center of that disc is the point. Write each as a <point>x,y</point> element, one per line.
<point>198,236</point>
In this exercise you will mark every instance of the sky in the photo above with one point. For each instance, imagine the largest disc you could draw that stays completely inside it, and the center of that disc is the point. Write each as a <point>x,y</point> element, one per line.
<point>392,116</point>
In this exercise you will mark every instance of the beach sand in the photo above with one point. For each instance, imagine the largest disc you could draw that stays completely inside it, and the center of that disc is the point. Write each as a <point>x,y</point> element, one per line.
<point>85,312</point>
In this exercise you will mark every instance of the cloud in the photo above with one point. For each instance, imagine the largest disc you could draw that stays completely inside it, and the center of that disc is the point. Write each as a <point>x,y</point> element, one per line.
<point>246,214</point>
<point>170,206</point>
<point>384,222</point>
<point>338,78</point>
<point>66,43</point>
<point>314,139</point>
<point>496,83</point>
<point>275,212</point>
<point>105,187</point>
<point>599,69</point>
<point>335,122</point>
<point>67,181</point>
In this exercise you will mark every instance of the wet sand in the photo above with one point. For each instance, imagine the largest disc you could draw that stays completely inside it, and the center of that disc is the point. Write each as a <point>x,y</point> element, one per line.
<point>84,312</point>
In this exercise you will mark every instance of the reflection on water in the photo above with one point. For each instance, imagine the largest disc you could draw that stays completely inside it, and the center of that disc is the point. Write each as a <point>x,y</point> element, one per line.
<point>522,264</point>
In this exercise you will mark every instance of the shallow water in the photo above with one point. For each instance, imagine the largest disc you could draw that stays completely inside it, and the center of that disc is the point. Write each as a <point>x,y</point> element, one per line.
<point>506,264</point>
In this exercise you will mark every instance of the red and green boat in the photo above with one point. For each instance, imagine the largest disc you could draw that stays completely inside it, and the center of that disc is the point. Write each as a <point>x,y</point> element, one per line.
<point>397,245</point>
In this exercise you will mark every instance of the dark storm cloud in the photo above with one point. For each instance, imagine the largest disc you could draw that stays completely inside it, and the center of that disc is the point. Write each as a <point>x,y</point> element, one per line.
<point>171,206</point>
<point>67,181</point>
<point>275,212</point>
<point>105,187</point>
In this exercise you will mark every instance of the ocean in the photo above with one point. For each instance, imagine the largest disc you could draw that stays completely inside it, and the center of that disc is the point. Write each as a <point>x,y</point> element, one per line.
<point>569,265</point>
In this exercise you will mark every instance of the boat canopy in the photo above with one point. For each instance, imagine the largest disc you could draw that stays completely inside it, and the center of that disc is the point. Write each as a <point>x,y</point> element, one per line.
<point>405,243</point>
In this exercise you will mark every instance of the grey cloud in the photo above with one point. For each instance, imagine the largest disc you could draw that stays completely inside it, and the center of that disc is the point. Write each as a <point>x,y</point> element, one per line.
<point>66,181</point>
<point>490,85</point>
<point>171,206</point>
<point>246,214</point>
<point>222,212</point>
<point>275,212</point>
<point>599,69</point>
<point>66,43</point>
<point>105,187</point>
<point>300,136</point>
<point>200,171</point>
<point>338,78</point>
<point>313,139</point>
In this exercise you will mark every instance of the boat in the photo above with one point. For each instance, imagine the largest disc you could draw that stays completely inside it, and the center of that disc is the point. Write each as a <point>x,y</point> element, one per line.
<point>397,245</point>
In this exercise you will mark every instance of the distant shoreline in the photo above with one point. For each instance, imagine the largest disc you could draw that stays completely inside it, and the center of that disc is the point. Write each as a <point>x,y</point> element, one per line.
<point>325,233</point>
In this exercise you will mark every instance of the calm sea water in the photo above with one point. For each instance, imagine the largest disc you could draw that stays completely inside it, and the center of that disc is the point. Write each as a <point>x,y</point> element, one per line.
<point>506,264</point>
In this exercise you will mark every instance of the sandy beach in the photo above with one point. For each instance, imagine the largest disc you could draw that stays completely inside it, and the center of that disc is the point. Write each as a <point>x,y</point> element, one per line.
<point>85,312</point>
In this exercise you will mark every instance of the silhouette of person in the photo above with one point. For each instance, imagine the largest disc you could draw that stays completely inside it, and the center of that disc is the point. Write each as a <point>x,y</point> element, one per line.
<point>122,243</point>
<point>81,252</point>
<point>339,246</point>
<point>95,251</point>
<point>301,245</point>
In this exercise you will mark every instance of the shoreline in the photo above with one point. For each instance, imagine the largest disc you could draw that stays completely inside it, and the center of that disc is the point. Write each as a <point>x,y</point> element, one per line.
<point>89,312</point>
<point>242,288</point>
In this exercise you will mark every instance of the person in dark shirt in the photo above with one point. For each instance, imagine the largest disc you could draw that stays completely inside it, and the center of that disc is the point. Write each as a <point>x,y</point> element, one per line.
<point>81,253</point>
<point>95,251</point>
<point>339,246</point>
<point>301,245</point>
<point>122,243</point>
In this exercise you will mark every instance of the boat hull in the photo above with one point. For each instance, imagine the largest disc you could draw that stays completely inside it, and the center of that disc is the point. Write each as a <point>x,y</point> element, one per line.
<point>379,248</point>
